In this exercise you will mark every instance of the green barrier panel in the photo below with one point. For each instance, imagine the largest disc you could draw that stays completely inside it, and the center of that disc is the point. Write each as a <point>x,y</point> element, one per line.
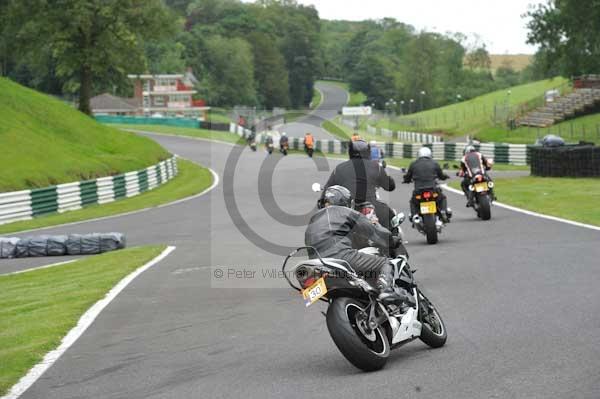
<point>158,175</point>
<point>143,180</point>
<point>330,146</point>
<point>119,186</point>
<point>89,192</point>
<point>501,153</point>
<point>141,120</point>
<point>407,150</point>
<point>389,150</point>
<point>449,152</point>
<point>44,200</point>
<point>318,145</point>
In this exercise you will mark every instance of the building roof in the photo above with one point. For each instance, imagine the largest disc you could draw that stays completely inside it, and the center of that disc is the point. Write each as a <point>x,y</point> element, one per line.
<point>108,102</point>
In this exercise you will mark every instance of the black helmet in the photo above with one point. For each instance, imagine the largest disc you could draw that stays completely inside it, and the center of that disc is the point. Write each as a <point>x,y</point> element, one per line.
<point>359,149</point>
<point>337,195</point>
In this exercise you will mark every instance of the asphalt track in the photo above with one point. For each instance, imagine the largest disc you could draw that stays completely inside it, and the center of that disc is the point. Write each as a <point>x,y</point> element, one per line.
<point>333,99</point>
<point>519,296</point>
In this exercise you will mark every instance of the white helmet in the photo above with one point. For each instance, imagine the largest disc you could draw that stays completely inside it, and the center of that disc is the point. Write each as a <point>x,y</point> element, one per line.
<point>283,133</point>
<point>373,142</point>
<point>424,152</point>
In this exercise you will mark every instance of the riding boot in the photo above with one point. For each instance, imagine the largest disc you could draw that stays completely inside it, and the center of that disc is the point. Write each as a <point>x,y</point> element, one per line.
<point>385,285</point>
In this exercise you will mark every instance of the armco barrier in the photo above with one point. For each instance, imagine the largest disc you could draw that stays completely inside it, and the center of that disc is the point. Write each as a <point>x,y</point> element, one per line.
<point>411,137</point>
<point>27,204</point>
<point>176,122</point>
<point>515,154</point>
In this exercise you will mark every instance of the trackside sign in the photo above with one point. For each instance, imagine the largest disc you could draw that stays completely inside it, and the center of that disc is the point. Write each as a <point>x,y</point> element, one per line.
<point>356,111</point>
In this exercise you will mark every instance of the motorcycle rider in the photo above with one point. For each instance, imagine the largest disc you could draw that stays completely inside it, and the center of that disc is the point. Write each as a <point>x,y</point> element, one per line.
<point>425,172</point>
<point>355,136</point>
<point>308,142</point>
<point>250,139</point>
<point>283,141</point>
<point>377,153</point>
<point>362,176</point>
<point>331,230</point>
<point>472,163</point>
<point>269,143</point>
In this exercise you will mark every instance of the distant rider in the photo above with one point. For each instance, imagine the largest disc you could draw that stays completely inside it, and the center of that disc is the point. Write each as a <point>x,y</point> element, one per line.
<point>283,140</point>
<point>362,176</point>
<point>269,142</point>
<point>472,163</point>
<point>377,153</point>
<point>355,136</point>
<point>251,136</point>
<point>425,172</point>
<point>331,230</point>
<point>308,141</point>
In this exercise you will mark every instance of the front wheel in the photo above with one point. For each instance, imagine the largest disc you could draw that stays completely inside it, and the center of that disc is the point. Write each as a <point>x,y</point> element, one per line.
<point>433,329</point>
<point>430,228</point>
<point>347,325</point>
<point>485,212</point>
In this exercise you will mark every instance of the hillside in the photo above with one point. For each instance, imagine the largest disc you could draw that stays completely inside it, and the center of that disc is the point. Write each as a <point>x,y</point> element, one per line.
<point>45,142</point>
<point>475,116</point>
<point>518,62</point>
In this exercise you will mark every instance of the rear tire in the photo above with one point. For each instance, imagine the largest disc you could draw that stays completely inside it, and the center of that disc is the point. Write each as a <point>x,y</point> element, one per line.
<point>430,229</point>
<point>485,211</point>
<point>433,329</point>
<point>368,354</point>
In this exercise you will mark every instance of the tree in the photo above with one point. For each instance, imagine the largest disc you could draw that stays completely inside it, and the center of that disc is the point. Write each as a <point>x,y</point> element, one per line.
<point>90,40</point>
<point>568,34</point>
<point>479,59</point>
<point>269,72</point>
<point>228,71</point>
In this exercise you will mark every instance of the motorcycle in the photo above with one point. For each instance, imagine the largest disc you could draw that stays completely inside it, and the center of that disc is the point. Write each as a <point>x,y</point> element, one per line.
<point>362,328</point>
<point>428,220</point>
<point>283,148</point>
<point>309,150</point>
<point>251,141</point>
<point>481,196</point>
<point>269,148</point>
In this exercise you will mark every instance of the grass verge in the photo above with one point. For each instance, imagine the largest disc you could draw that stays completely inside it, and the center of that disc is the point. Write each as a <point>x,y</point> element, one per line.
<point>191,180</point>
<point>185,131</point>
<point>474,115</point>
<point>317,98</point>
<point>568,198</point>
<point>41,306</point>
<point>45,142</point>
<point>586,128</point>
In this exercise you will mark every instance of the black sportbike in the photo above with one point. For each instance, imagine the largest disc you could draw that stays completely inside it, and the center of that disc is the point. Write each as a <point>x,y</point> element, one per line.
<point>362,328</point>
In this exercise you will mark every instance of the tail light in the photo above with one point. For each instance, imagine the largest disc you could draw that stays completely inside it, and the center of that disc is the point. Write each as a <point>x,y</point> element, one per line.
<point>367,210</point>
<point>308,282</point>
<point>427,194</point>
<point>479,178</point>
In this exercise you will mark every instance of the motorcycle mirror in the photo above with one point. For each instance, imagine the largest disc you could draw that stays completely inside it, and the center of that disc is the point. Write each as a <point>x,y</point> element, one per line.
<point>398,219</point>
<point>403,170</point>
<point>316,187</point>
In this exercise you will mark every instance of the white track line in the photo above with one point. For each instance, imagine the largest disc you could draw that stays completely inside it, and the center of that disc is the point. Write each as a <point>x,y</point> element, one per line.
<point>84,322</point>
<point>530,213</point>
<point>118,215</point>
<point>40,267</point>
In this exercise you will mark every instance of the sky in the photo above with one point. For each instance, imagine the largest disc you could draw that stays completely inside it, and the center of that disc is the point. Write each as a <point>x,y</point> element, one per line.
<point>498,23</point>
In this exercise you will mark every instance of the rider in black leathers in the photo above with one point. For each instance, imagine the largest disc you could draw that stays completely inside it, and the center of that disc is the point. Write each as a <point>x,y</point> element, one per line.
<point>425,172</point>
<point>362,176</point>
<point>473,162</point>
<point>331,230</point>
